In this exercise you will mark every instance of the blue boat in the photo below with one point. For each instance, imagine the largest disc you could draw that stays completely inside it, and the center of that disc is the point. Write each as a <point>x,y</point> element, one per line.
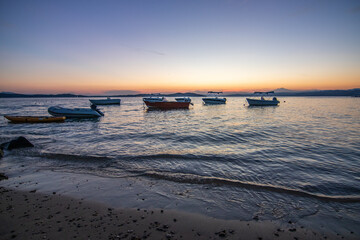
<point>107,101</point>
<point>92,112</point>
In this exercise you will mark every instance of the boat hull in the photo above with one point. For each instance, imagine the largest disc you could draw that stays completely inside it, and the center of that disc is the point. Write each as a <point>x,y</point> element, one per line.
<point>258,102</point>
<point>74,113</point>
<point>105,101</point>
<point>167,105</point>
<point>214,100</point>
<point>35,119</point>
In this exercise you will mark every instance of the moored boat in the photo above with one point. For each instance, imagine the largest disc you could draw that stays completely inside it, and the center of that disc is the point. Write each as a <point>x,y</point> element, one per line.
<point>107,101</point>
<point>262,101</point>
<point>154,99</point>
<point>34,119</point>
<point>213,98</point>
<point>163,104</point>
<point>92,112</point>
<point>183,99</point>
<point>167,105</point>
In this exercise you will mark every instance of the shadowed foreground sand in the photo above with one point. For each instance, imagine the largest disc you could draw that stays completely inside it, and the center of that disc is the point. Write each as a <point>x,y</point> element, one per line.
<point>31,215</point>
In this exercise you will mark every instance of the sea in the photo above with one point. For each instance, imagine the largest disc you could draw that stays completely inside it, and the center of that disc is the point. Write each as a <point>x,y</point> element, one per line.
<point>298,162</point>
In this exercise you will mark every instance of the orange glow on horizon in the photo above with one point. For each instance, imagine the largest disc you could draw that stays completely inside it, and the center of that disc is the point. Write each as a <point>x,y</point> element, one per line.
<point>101,88</point>
<point>80,83</point>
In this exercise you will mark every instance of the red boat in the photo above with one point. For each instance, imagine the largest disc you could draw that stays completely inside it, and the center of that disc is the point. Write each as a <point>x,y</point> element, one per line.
<point>163,104</point>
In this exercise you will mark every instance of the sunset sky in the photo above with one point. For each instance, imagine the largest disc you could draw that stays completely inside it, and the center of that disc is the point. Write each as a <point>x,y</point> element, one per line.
<point>176,45</point>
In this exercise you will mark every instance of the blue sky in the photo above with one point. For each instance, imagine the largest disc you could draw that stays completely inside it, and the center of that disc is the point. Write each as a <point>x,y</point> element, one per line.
<point>97,46</point>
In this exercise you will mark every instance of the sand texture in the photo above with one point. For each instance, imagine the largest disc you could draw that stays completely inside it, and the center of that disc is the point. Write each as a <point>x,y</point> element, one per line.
<point>32,215</point>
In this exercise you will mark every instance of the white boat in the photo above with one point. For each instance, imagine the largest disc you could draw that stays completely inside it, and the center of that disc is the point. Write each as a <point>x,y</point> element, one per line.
<point>155,98</point>
<point>213,98</point>
<point>92,112</point>
<point>262,101</point>
<point>183,99</point>
<point>107,101</point>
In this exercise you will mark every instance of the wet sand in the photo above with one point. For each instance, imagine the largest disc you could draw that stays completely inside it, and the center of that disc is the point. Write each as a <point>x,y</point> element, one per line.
<point>32,215</point>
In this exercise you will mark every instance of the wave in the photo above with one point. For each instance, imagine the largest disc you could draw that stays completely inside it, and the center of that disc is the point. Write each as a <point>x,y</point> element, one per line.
<point>136,158</point>
<point>184,157</point>
<point>197,179</point>
<point>124,158</point>
<point>74,157</point>
<point>107,167</point>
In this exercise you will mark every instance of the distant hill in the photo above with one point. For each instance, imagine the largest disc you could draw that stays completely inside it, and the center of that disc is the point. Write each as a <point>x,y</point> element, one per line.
<point>283,90</point>
<point>18,95</point>
<point>313,93</point>
<point>349,92</point>
<point>240,94</point>
<point>185,95</point>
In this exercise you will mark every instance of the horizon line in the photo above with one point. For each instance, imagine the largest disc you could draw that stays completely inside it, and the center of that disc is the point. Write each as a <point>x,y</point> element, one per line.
<point>199,92</point>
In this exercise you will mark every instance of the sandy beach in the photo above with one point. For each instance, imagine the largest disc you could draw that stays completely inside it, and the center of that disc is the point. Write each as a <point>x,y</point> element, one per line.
<point>32,215</point>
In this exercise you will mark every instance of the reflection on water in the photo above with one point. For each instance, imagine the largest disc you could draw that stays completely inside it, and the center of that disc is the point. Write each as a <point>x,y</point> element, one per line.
<point>255,107</point>
<point>164,110</point>
<point>95,120</point>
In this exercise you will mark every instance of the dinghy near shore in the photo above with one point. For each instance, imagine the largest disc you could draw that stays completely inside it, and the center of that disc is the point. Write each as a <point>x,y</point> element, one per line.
<point>92,112</point>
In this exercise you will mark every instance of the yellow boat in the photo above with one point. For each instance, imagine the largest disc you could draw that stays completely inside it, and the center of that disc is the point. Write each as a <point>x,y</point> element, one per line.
<point>34,119</point>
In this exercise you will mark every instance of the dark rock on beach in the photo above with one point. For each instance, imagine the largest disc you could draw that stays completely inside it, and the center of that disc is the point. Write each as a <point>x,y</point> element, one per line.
<point>3,176</point>
<point>20,142</point>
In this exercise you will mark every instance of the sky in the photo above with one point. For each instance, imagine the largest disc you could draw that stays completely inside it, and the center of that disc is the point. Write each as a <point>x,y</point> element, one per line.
<point>98,47</point>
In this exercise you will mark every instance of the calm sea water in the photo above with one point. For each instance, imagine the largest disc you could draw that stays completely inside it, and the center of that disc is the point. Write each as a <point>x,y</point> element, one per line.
<point>299,161</point>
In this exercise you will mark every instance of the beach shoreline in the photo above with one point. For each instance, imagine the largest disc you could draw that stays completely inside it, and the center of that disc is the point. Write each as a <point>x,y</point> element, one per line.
<point>33,215</point>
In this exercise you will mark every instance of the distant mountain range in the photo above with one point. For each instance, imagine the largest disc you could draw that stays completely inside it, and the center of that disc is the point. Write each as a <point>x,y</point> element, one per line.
<point>19,95</point>
<point>288,92</point>
<point>278,92</point>
<point>349,92</point>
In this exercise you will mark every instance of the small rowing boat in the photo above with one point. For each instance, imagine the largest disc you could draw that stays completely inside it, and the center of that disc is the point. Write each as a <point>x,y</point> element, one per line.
<point>183,99</point>
<point>108,101</point>
<point>167,105</point>
<point>163,104</point>
<point>34,119</point>
<point>262,101</point>
<point>213,98</point>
